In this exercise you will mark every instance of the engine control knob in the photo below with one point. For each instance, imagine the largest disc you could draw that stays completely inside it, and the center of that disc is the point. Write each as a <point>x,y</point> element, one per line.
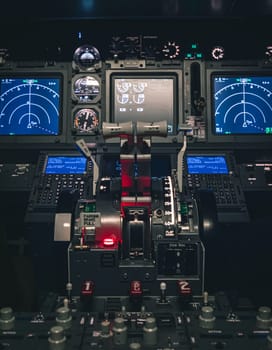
<point>119,331</point>
<point>150,331</point>
<point>63,317</point>
<point>7,318</point>
<point>206,317</point>
<point>57,338</point>
<point>135,346</point>
<point>264,317</point>
<point>105,329</point>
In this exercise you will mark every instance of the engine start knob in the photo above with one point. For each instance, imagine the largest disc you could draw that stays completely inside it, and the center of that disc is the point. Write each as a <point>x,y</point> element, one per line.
<point>264,317</point>
<point>57,338</point>
<point>206,317</point>
<point>63,317</point>
<point>6,319</point>
<point>150,331</point>
<point>119,331</point>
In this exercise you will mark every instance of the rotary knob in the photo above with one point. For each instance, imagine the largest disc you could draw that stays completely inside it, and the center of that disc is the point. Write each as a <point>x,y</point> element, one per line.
<point>57,338</point>
<point>264,317</point>
<point>119,331</point>
<point>6,319</point>
<point>206,317</point>
<point>150,331</point>
<point>63,317</point>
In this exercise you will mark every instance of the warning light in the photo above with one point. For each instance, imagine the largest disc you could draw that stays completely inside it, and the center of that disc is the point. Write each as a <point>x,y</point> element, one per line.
<point>87,288</point>
<point>109,241</point>
<point>136,289</point>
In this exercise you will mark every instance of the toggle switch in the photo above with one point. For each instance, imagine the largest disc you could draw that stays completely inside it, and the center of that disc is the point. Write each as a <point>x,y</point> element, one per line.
<point>163,288</point>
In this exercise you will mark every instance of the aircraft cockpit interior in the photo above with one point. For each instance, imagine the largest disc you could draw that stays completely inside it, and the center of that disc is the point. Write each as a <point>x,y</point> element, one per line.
<point>136,175</point>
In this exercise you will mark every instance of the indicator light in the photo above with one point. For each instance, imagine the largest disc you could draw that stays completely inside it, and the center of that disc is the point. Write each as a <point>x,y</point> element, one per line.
<point>109,241</point>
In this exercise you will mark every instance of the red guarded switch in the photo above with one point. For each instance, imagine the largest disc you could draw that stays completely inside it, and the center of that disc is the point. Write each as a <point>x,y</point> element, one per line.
<point>136,289</point>
<point>87,288</point>
<point>184,288</point>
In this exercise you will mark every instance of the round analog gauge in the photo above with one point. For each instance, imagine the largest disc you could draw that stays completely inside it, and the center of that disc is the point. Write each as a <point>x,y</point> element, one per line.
<point>139,86</point>
<point>218,53</point>
<point>139,98</point>
<point>123,98</point>
<point>86,89</point>
<point>86,56</point>
<point>30,106</point>
<point>268,51</point>
<point>122,86</point>
<point>243,105</point>
<point>171,50</point>
<point>86,120</point>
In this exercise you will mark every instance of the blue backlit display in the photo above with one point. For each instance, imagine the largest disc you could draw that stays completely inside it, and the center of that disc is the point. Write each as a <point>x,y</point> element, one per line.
<point>207,164</point>
<point>242,104</point>
<point>65,165</point>
<point>30,106</point>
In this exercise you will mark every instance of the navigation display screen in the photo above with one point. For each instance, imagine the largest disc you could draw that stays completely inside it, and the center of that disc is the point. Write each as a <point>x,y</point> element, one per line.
<point>207,164</point>
<point>65,165</point>
<point>30,105</point>
<point>241,104</point>
<point>146,99</point>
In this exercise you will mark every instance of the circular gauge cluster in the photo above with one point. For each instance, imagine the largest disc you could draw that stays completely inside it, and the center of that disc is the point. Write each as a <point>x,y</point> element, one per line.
<point>86,88</point>
<point>86,58</point>
<point>124,86</point>
<point>86,120</point>
<point>30,106</point>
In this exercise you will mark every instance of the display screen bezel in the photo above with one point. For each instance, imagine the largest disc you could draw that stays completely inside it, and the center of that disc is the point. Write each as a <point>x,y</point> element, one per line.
<point>59,136</point>
<point>241,69</point>
<point>62,163</point>
<point>175,75</point>
<point>205,167</point>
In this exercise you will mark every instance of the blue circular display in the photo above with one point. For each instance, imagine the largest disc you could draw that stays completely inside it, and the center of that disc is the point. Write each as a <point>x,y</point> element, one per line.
<point>29,106</point>
<point>243,105</point>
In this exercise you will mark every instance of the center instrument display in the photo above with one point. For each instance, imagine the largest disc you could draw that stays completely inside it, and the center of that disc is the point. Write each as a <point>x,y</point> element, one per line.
<point>144,98</point>
<point>242,104</point>
<point>30,105</point>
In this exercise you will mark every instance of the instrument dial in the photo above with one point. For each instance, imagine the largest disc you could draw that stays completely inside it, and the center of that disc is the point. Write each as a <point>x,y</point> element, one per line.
<point>268,52</point>
<point>218,53</point>
<point>123,86</point>
<point>86,89</point>
<point>86,120</point>
<point>171,50</point>
<point>139,86</point>
<point>86,57</point>
<point>243,105</point>
<point>30,106</point>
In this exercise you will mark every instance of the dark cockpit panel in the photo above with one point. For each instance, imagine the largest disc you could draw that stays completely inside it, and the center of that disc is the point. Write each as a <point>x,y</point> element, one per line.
<point>135,174</point>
